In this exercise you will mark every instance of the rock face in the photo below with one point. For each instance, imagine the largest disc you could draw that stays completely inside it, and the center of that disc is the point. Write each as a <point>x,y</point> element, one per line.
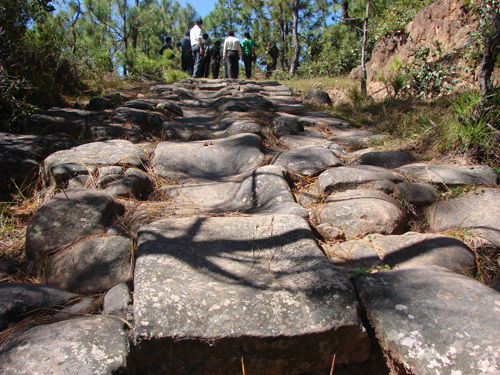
<point>444,21</point>
<point>265,269</point>
<point>68,217</point>
<point>431,321</point>
<point>94,345</point>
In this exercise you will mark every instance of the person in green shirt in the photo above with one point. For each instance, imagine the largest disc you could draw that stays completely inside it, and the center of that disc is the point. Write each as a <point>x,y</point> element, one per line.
<point>247,47</point>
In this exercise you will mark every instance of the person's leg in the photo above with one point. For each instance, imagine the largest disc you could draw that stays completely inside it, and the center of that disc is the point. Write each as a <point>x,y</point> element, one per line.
<point>197,61</point>
<point>190,64</point>
<point>226,70</point>
<point>247,60</point>
<point>215,69</point>
<point>206,68</point>
<point>236,66</point>
<point>233,64</point>
<point>184,64</point>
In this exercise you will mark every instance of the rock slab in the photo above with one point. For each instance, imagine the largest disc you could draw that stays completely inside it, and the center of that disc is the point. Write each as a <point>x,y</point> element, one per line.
<point>86,346</point>
<point>68,217</point>
<point>432,321</point>
<point>477,210</point>
<point>208,160</point>
<point>193,276</point>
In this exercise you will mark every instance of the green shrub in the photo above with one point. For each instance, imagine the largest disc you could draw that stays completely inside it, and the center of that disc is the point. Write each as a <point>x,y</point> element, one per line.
<point>477,117</point>
<point>142,64</point>
<point>173,75</point>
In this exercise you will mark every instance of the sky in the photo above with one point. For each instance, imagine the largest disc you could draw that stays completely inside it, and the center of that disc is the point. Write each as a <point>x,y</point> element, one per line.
<point>203,7</point>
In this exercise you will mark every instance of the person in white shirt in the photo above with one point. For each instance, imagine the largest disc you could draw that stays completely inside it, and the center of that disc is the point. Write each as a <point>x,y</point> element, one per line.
<point>231,55</point>
<point>196,46</point>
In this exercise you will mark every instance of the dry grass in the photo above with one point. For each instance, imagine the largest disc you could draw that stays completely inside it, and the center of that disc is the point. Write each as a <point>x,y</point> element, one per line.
<point>14,218</point>
<point>47,315</point>
<point>488,268</point>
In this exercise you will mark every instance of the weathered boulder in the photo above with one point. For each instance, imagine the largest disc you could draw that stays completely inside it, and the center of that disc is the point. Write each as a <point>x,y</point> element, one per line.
<point>285,125</point>
<point>18,299</point>
<point>262,191</point>
<point>406,251</point>
<point>294,141</point>
<point>361,212</point>
<point>62,165</point>
<point>146,119</point>
<point>321,120</point>
<point>307,160</point>
<point>477,211</point>
<point>58,120</point>
<point>20,155</point>
<point>355,138</point>
<point>415,193</point>
<point>343,178</point>
<point>204,160</point>
<point>231,126</point>
<point>265,270</point>
<point>93,345</point>
<point>68,217</point>
<point>104,132</point>
<point>134,184</point>
<point>93,265</point>
<point>430,320</point>
<point>118,302</point>
<point>386,159</point>
<point>44,124</point>
<point>99,104</point>
<point>450,175</point>
<point>318,97</point>
<point>287,104</point>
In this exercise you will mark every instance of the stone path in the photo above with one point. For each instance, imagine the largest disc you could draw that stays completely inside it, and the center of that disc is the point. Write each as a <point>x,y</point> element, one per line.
<point>232,230</point>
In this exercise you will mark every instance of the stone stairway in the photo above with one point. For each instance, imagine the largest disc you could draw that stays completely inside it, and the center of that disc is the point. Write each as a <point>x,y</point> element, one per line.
<point>233,231</point>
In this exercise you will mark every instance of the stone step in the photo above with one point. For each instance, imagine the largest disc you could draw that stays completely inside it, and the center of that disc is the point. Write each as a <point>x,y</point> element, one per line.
<point>210,290</point>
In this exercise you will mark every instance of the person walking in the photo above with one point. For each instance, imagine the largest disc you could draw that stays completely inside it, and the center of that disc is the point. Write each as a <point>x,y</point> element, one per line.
<point>247,48</point>
<point>215,59</point>
<point>231,55</point>
<point>206,57</point>
<point>186,54</point>
<point>197,48</point>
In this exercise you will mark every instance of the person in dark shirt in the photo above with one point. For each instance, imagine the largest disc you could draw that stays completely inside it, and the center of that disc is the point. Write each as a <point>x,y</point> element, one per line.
<point>272,52</point>
<point>215,58</point>
<point>205,62</point>
<point>186,54</point>
<point>167,45</point>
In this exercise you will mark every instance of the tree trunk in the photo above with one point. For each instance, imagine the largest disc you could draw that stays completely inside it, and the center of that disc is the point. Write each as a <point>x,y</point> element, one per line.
<point>345,11</point>
<point>363,48</point>
<point>295,26</point>
<point>283,38</point>
<point>491,44</point>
